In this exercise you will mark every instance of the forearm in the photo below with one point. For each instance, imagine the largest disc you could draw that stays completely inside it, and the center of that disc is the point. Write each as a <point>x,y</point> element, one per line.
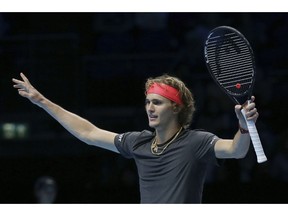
<point>241,141</point>
<point>79,127</point>
<point>233,148</point>
<point>240,144</point>
<point>75,124</point>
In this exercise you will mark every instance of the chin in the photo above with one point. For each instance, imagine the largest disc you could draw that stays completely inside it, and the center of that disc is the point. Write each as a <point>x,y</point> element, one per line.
<point>153,125</point>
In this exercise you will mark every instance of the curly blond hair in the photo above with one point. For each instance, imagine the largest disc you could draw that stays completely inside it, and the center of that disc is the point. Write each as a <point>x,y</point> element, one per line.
<point>187,109</point>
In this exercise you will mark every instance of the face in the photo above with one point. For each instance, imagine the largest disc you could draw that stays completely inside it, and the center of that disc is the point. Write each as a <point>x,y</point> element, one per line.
<point>159,110</point>
<point>46,194</point>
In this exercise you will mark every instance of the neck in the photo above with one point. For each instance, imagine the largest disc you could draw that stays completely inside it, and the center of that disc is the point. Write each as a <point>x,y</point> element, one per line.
<point>163,136</point>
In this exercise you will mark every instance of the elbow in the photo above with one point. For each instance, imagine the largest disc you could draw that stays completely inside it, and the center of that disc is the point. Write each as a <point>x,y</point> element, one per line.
<point>85,136</point>
<point>240,155</point>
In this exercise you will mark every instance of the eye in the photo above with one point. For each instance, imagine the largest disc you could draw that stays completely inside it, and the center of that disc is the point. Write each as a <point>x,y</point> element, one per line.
<point>157,102</point>
<point>153,101</point>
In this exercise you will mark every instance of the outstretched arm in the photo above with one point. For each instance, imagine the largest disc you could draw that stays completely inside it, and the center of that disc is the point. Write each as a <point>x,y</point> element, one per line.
<point>76,125</point>
<point>239,145</point>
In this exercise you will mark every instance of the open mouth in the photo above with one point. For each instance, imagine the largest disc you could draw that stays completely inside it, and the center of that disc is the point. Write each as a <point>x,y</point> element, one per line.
<point>152,117</point>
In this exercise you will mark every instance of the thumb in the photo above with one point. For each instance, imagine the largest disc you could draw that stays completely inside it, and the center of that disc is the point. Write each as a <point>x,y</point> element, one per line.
<point>240,116</point>
<point>238,110</point>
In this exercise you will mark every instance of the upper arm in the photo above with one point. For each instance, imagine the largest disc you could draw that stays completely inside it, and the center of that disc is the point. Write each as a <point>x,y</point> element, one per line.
<point>233,148</point>
<point>102,138</point>
<point>224,148</point>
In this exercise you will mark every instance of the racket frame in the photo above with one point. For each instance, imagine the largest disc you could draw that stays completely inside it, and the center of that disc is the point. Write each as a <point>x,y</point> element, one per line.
<point>261,157</point>
<point>233,96</point>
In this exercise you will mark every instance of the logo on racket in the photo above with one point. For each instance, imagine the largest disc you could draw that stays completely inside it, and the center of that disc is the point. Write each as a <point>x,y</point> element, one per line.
<point>227,45</point>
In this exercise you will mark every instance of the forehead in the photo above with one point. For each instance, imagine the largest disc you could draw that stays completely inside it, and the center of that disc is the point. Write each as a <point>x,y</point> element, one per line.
<point>156,97</point>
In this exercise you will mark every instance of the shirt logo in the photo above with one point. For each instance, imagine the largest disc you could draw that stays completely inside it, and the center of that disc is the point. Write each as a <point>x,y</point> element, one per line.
<point>120,137</point>
<point>214,138</point>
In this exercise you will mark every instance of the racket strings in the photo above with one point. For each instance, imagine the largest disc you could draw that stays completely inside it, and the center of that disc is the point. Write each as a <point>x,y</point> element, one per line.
<point>231,62</point>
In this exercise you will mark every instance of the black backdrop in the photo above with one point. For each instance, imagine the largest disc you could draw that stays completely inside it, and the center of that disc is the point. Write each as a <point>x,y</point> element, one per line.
<point>96,64</point>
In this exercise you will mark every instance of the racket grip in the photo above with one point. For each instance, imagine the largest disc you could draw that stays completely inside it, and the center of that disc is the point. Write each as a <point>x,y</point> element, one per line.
<point>261,157</point>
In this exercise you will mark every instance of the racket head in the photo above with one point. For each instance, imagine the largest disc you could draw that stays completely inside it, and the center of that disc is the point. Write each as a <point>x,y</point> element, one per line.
<point>230,61</point>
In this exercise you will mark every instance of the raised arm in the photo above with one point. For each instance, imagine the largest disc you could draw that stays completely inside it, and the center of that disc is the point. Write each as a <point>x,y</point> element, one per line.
<point>239,145</point>
<point>76,125</point>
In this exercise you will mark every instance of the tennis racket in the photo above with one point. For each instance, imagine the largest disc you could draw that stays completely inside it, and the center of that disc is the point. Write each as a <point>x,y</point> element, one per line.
<point>230,61</point>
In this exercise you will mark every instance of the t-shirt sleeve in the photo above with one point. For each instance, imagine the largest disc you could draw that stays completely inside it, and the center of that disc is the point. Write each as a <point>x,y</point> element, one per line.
<point>206,150</point>
<point>124,143</point>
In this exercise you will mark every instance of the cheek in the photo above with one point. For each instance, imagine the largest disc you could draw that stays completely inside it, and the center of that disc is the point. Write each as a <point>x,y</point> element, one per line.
<point>167,114</point>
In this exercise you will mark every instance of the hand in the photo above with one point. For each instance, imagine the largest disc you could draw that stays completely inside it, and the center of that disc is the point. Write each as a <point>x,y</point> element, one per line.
<point>25,89</point>
<point>250,112</point>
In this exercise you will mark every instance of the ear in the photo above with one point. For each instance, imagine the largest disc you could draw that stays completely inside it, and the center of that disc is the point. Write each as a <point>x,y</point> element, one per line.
<point>176,108</point>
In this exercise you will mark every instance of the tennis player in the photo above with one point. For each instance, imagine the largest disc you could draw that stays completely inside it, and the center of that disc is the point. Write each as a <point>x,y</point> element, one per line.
<point>172,159</point>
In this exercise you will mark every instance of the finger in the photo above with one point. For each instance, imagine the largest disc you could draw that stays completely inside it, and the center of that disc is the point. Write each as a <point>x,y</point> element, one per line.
<point>19,86</point>
<point>25,79</point>
<point>23,93</point>
<point>238,107</point>
<point>238,112</point>
<point>251,113</point>
<point>16,80</point>
<point>253,117</point>
<point>252,100</point>
<point>248,102</point>
<point>250,106</point>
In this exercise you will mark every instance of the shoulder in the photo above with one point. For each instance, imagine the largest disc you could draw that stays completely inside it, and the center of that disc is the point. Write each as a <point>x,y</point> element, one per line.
<point>127,142</point>
<point>133,136</point>
<point>200,136</point>
<point>202,143</point>
<point>198,132</point>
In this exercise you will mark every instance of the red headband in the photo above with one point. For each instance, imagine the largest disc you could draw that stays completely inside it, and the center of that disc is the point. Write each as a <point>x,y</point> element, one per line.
<point>165,91</point>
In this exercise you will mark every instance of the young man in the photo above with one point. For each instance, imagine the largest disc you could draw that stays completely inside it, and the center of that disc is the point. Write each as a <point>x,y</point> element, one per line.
<point>171,161</point>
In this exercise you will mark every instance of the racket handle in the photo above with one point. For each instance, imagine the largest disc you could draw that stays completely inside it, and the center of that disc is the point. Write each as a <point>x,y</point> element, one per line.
<point>261,157</point>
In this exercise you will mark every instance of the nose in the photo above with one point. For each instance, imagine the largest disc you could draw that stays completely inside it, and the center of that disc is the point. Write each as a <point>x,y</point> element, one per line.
<point>150,107</point>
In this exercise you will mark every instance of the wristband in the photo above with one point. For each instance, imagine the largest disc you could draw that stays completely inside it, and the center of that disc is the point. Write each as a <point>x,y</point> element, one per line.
<point>242,130</point>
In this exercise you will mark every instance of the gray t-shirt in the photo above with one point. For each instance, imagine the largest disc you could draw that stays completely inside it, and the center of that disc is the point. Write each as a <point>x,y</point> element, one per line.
<point>177,175</point>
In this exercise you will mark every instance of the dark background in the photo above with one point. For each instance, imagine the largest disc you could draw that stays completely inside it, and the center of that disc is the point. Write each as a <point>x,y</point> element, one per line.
<point>96,64</point>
